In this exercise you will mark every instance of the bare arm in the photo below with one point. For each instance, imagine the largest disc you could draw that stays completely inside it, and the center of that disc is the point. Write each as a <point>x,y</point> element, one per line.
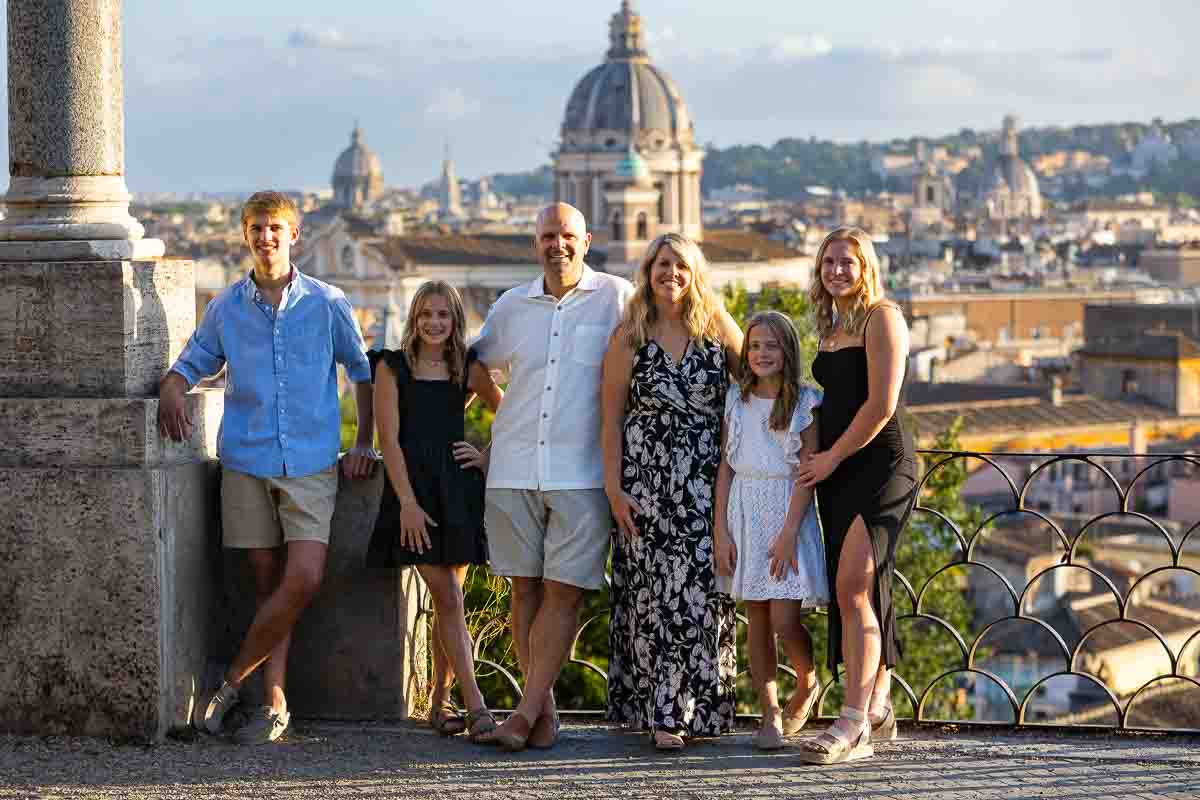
<point>732,336</point>
<point>413,518</point>
<point>479,383</point>
<point>886,340</point>
<point>361,459</point>
<point>617,372</point>
<point>724,549</point>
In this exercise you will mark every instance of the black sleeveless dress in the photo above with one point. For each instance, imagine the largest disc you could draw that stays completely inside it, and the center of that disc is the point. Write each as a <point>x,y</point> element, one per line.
<point>878,483</point>
<point>431,421</point>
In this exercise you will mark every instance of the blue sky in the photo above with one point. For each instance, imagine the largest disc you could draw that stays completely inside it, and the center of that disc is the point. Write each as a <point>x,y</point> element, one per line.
<point>226,95</point>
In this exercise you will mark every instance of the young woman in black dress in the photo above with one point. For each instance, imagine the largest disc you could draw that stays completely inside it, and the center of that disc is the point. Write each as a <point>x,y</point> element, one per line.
<point>431,513</point>
<point>865,475</point>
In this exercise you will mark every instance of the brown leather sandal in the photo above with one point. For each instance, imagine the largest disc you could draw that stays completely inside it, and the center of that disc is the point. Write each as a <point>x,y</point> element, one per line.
<point>480,725</point>
<point>446,720</point>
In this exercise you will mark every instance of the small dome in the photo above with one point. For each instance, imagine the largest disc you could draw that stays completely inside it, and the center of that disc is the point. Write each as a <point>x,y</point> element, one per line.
<point>633,168</point>
<point>627,94</point>
<point>356,161</point>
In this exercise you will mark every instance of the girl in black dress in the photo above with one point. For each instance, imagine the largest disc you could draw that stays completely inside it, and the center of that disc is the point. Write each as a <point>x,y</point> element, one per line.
<point>431,513</point>
<point>865,475</point>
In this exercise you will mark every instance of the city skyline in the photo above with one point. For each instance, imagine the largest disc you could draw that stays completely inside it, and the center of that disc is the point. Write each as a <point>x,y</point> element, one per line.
<point>227,97</point>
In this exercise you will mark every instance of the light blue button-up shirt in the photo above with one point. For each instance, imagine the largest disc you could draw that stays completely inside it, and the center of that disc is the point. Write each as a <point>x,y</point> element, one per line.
<point>281,392</point>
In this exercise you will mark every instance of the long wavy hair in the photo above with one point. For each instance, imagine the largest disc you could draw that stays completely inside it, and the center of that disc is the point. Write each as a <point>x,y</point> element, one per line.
<point>454,349</point>
<point>869,291</point>
<point>789,388</point>
<point>701,307</point>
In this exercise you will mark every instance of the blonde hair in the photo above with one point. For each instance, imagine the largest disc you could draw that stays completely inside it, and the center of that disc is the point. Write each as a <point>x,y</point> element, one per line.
<point>454,350</point>
<point>271,203</point>
<point>870,285</point>
<point>789,389</point>
<point>701,307</point>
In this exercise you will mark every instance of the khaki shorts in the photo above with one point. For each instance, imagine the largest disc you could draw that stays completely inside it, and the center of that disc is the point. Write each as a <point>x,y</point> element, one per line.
<point>260,513</point>
<point>557,536</point>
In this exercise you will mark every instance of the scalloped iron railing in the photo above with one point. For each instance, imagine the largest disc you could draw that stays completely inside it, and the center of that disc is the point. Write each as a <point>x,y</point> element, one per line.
<point>1064,603</point>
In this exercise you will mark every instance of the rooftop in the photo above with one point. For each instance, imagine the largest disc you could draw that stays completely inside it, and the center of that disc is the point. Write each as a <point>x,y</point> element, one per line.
<point>337,760</point>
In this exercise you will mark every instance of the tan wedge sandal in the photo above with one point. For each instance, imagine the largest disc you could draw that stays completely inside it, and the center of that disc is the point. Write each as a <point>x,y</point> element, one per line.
<point>834,748</point>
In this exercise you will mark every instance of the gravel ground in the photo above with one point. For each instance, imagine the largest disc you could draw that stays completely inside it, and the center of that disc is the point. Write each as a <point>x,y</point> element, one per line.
<point>324,760</point>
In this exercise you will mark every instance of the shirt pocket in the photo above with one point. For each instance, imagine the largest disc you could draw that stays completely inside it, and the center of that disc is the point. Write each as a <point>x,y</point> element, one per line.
<point>588,343</point>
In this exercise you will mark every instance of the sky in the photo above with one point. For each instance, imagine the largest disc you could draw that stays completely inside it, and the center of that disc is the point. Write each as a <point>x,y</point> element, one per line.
<point>230,95</point>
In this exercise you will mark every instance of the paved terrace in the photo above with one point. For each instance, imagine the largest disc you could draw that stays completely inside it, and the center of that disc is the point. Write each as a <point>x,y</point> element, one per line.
<point>340,760</point>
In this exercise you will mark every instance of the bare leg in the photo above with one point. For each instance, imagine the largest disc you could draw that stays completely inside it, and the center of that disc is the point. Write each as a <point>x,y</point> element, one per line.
<point>862,641</point>
<point>453,640</point>
<point>797,644</point>
<point>881,695</point>
<point>266,565</point>
<point>528,594</point>
<point>760,640</point>
<point>277,616</point>
<point>550,639</point>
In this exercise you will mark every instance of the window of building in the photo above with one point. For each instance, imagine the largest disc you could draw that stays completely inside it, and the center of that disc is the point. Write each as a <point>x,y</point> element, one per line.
<point>616,226</point>
<point>643,228</point>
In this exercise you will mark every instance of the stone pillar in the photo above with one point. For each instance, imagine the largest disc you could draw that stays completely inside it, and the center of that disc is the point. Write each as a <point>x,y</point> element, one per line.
<point>66,135</point>
<point>107,548</point>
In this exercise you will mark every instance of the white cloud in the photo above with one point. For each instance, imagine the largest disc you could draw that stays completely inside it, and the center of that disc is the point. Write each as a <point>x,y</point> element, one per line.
<point>307,37</point>
<point>799,47</point>
<point>451,104</point>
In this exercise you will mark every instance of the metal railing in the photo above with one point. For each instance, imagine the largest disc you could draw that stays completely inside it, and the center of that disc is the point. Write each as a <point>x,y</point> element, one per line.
<point>1082,618</point>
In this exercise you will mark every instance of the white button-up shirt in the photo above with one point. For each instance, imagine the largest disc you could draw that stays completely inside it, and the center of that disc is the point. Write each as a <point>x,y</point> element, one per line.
<point>546,434</point>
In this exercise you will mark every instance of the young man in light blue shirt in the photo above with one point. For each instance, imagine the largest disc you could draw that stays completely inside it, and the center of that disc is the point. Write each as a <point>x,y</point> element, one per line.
<point>280,335</point>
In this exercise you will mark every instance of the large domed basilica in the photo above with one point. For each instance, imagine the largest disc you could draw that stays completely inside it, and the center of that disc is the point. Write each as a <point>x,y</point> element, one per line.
<point>357,176</point>
<point>1012,189</point>
<point>628,157</point>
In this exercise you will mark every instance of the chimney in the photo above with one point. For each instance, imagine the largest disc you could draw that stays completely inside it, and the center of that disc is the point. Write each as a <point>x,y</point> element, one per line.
<point>1138,438</point>
<point>1056,392</point>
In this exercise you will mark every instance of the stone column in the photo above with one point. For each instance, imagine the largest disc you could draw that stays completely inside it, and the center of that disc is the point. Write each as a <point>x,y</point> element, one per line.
<point>66,135</point>
<point>107,542</point>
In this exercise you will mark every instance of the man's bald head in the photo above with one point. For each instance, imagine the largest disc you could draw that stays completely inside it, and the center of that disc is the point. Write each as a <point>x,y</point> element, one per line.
<point>559,213</point>
<point>561,242</point>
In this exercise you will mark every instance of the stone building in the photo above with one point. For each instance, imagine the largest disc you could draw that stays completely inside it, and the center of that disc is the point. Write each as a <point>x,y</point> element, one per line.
<point>449,192</point>
<point>628,157</point>
<point>357,176</point>
<point>1145,351</point>
<point>1179,266</point>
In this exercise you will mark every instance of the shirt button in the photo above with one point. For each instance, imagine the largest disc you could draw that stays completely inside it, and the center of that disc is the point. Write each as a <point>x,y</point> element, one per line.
<point>556,333</point>
<point>545,415</point>
<point>547,388</point>
<point>552,361</point>
<point>541,443</point>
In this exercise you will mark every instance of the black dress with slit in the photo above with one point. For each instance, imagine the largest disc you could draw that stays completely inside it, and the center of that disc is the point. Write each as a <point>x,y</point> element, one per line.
<point>878,483</point>
<point>431,421</point>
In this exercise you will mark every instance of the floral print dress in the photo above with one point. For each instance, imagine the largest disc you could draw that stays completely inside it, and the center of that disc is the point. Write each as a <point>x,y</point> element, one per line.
<point>672,659</point>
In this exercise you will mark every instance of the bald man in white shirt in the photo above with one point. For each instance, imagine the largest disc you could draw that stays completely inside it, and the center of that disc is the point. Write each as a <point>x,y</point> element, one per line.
<point>548,518</point>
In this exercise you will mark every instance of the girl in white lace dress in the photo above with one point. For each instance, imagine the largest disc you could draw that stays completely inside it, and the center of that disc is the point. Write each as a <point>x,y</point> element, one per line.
<point>767,536</point>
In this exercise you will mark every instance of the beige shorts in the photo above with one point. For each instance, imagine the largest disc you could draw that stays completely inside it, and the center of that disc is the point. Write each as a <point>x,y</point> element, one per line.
<point>557,536</point>
<point>260,513</point>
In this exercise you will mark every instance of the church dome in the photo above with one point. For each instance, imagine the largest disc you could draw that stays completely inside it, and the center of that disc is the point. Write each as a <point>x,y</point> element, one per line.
<point>626,100</point>
<point>1012,173</point>
<point>356,161</point>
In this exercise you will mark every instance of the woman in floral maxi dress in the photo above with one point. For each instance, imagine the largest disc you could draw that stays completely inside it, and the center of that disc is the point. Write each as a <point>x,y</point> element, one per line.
<point>672,656</point>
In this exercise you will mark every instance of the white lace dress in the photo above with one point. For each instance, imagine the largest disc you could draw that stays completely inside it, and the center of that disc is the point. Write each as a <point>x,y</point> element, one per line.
<point>762,460</point>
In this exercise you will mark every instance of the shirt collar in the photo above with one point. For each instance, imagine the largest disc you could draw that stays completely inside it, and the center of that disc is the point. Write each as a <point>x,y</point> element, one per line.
<point>294,284</point>
<point>588,281</point>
